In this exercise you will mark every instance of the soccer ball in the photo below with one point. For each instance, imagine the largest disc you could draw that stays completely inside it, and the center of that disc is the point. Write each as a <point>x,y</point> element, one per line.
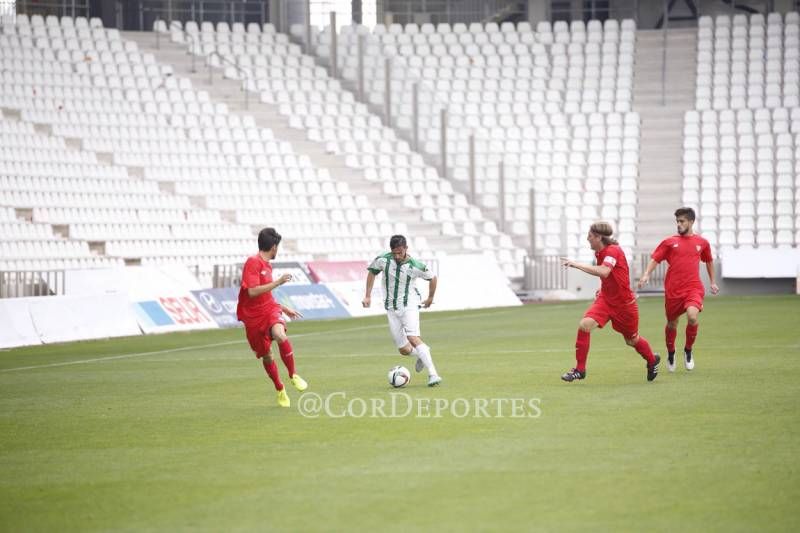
<point>399,376</point>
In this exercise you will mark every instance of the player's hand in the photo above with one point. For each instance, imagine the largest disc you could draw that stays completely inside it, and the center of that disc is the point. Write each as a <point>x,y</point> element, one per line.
<point>285,278</point>
<point>427,303</point>
<point>366,301</point>
<point>644,280</point>
<point>714,288</point>
<point>291,313</point>
<point>565,262</point>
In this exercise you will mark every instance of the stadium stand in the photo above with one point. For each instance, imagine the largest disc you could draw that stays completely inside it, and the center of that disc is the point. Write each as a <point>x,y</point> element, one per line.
<point>107,156</point>
<point>742,141</point>
<point>554,105</point>
<point>198,173</point>
<point>317,105</point>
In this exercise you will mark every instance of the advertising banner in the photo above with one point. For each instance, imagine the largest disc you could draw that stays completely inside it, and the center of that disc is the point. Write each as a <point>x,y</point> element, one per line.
<point>177,312</point>
<point>220,305</point>
<point>313,301</point>
<point>337,271</point>
<point>300,274</point>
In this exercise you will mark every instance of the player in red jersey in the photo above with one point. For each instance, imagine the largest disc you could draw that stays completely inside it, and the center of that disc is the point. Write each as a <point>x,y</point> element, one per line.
<point>615,302</point>
<point>683,290</point>
<point>263,316</point>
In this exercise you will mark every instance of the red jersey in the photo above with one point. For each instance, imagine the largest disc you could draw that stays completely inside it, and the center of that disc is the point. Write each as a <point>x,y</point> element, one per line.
<point>616,288</point>
<point>253,311</point>
<point>683,254</point>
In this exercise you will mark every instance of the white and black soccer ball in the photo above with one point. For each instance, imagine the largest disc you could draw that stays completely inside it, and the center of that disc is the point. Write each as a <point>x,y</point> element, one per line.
<point>399,376</point>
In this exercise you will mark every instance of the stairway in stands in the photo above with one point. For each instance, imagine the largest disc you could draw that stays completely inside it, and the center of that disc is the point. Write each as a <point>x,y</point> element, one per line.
<point>661,154</point>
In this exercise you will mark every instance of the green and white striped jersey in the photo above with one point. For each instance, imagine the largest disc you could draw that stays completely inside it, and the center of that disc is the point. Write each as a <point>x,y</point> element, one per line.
<point>398,280</point>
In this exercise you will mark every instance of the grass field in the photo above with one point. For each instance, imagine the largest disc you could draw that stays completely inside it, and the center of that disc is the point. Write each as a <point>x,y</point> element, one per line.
<point>181,432</point>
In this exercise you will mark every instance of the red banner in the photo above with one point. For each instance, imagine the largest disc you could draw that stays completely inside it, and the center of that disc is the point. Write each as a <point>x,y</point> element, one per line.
<point>335,271</point>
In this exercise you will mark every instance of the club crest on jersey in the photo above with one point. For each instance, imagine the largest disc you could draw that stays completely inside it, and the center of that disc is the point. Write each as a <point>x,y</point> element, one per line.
<point>697,247</point>
<point>675,245</point>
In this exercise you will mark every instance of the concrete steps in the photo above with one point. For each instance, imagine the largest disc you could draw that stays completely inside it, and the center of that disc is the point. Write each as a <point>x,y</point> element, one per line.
<point>661,144</point>
<point>267,116</point>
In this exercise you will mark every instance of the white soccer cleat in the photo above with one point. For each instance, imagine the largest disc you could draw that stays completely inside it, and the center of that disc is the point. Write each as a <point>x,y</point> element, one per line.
<point>671,361</point>
<point>434,380</point>
<point>688,360</point>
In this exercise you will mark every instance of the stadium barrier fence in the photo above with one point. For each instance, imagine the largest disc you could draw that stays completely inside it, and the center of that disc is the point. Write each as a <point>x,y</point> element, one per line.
<point>21,283</point>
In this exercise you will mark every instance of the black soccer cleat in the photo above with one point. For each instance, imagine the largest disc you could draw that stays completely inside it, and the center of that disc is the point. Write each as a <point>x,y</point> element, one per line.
<point>652,371</point>
<point>573,374</point>
<point>688,361</point>
<point>671,361</point>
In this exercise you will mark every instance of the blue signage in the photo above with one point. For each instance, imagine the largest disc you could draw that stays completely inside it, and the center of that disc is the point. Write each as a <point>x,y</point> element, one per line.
<point>220,305</point>
<point>313,301</point>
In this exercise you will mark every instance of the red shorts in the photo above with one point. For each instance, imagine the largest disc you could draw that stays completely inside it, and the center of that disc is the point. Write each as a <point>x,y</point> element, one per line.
<point>676,306</point>
<point>260,337</point>
<point>624,319</point>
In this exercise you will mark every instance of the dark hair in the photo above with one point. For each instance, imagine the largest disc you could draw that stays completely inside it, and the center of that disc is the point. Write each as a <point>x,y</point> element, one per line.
<point>605,230</point>
<point>687,212</point>
<point>267,238</point>
<point>397,241</point>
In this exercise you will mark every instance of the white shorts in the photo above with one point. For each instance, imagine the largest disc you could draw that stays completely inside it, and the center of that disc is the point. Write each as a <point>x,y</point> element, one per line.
<point>403,324</point>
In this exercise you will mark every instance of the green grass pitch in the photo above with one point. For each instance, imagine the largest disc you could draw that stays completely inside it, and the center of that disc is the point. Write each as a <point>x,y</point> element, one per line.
<point>182,432</point>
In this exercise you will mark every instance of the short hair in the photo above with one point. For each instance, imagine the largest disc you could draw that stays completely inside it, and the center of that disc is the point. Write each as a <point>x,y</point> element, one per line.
<point>397,241</point>
<point>605,230</point>
<point>687,212</point>
<point>267,238</point>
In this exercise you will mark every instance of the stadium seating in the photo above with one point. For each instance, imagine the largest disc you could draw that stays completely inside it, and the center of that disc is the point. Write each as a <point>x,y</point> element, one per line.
<point>205,173</point>
<point>317,104</point>
<point>742,142</point>
<point>553,105</point>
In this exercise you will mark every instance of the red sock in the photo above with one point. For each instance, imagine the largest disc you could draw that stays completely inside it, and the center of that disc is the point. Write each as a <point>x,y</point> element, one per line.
<point>272,372</point>
<point>670,335</point>
<point>287,355</point>
<point>691,335</point>
<point>581,350</point>
<point>643,347</point>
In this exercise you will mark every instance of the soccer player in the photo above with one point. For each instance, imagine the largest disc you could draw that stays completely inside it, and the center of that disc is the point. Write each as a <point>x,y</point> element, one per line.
<point>403,301</point>
<point>262,315</point>
<point>683,290</point>
<point>615,302</point>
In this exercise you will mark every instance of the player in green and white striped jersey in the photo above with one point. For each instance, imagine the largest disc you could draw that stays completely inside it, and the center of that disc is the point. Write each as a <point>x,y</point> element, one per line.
<point>402,301</point>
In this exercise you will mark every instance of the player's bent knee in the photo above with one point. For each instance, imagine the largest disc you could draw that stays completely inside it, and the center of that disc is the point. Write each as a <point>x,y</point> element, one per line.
<point>415,341</point>
<point>631,341</point>
<point>586,324</point>
<point>405,350</point>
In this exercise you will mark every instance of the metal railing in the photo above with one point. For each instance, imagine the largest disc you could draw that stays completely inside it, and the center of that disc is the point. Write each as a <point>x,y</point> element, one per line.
<point>568,10</point>
<point>59,8</point>
<point>450,11</point>
<point>148,11</point>
<point>20,283</point>
<point>544,272</point>
<point>224,276</point>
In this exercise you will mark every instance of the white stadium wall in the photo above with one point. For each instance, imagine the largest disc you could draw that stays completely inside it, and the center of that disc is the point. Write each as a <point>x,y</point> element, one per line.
<point>122,301</point>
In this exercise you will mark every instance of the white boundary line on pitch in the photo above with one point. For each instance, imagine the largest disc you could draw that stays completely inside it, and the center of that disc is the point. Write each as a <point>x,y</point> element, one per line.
<point>213,345</point>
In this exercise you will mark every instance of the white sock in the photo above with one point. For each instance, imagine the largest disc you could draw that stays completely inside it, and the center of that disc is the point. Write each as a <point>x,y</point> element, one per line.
<point>423,351</point>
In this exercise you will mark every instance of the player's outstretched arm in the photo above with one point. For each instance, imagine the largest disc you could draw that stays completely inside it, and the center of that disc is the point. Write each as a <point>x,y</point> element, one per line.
<point>291,313</point>
<point>645,279</point>
<point>431,291</point>
<point>601,271</point>
<point>252,292</point>
<point>712,277</point>
<point>368,290</point>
